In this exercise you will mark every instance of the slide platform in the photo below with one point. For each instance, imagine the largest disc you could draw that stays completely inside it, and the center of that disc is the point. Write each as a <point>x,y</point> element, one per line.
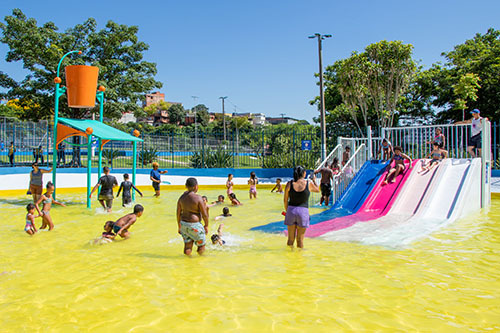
<point>427,202</point>
<point>349,203</point>
<point>377,204</point>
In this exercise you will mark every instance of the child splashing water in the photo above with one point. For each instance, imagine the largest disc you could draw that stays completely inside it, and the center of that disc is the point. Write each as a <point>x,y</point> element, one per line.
<point>30,227</point>
<point>253,181</point>
<point>46,200</point>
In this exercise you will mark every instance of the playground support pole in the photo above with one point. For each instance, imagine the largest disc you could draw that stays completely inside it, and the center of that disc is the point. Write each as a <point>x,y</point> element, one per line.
<point>369,145</point>
<point>134,167</point>
<point>486,164</point>
<point>58,93</point>
<point>100,98</point>
<point>89,169</point>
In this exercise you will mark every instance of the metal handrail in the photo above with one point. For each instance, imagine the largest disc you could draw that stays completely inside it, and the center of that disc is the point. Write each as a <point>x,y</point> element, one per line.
<point>329,155</point>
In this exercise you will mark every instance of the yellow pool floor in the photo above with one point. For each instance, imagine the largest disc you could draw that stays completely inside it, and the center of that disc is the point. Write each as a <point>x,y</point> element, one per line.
<point>59,282</point>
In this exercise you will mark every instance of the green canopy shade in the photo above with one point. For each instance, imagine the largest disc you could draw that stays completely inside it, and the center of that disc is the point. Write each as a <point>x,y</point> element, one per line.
<point>100,130</point>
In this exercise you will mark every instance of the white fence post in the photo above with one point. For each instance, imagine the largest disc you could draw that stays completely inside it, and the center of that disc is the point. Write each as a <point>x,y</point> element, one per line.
<point>485,164</point>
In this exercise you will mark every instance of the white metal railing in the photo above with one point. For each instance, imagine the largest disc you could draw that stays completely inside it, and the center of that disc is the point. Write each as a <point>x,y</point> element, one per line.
<point>416,141</point>
<point>346,174</point>
<point>330,156</point>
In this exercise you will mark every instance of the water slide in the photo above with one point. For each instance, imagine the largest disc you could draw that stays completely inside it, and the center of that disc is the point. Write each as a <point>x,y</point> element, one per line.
<point>377,204</point>
<point>349,203</point>
<point>426,203</point>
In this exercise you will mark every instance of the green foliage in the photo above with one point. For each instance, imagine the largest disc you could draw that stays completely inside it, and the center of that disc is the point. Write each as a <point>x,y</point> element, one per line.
<point>110,155</point>
<point>176,114</point>
<point>212,159</point>
<point>116,50</point>
<point>148,155</point>
<point>466,90</point>
<point>202,115</point>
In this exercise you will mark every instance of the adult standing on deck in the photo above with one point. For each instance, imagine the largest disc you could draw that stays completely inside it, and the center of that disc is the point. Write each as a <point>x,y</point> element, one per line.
<point>296,200</point>
<point>475,132</point>
<point>12,151</point>
<point>107,183</point>
<point>36,181</point>
<point>155,177</point>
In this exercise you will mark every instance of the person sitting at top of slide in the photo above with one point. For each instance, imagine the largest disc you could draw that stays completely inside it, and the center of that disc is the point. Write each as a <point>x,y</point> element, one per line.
<point>437,155</point>
<point>190,211</point>
<point>107,183</point>
<point>326,183</point>
<point>399,165</point>
<point>155,177</point>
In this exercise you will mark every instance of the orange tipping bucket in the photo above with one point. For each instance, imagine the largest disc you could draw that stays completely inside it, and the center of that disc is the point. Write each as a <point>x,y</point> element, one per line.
<point>81,84</point>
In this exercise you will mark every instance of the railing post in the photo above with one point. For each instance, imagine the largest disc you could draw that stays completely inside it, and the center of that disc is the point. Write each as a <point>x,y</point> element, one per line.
<point>486,164</point>
<point>202,149</point>
<point>173,150</point>
<point>369,145</point>
<point>263,149</point>
<point>233,146</point>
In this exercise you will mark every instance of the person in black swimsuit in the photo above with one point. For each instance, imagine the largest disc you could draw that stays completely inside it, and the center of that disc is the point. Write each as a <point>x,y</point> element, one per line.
<point>107,182</point>
<point>126,186</point>
<point>296,200</point>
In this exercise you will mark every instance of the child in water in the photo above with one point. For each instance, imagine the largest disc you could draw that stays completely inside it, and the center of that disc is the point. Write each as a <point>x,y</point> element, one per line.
<point>217,238</point>
<point>121,226</point>
<point>277,187</point>
<point>229,184</point>
<point>126,186</point>
<point>220,200</point>
<point>437,155</point>
<point>108,230</point>
<point>225,213</point>
<point>46,200</point>
<point>234,201</point>
<point>253,181</point>
<point>30,227</point>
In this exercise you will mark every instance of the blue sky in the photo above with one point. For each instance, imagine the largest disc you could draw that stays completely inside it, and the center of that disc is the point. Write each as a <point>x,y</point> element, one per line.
<point>257,52</point>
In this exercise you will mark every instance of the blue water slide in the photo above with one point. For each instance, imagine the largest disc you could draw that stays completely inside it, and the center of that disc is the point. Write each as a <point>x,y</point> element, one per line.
<point>349,203</point>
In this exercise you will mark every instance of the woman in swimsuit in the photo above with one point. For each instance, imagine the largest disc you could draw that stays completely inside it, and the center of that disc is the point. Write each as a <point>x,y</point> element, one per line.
<point>399,164</point>
<point>253,181</point>
<point>437,155</point>
<point>47,201</point>
<point>36,181</point>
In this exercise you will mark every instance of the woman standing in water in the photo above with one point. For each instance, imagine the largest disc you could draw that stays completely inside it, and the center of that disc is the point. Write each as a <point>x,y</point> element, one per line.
<point>296,201</point>
<point>36,181</point>
<point>46,200</point>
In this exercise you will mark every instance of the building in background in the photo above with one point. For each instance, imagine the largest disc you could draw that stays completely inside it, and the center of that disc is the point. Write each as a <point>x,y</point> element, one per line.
<point>127,117</point>
<point>257,119</point>
<point>281,120</point>
<point>153,98</point>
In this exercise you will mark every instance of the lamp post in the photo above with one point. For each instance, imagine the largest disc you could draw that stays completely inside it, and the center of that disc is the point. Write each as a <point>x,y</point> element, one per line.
<point>195,127</point>
<point>320,37</point>
<point>223,116</point>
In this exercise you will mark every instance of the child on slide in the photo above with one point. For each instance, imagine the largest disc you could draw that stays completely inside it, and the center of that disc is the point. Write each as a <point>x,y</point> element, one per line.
<point>399,165</point>
<point>437,155</point>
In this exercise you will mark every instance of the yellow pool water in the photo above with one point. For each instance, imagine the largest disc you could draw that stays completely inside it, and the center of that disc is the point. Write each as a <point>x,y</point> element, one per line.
<point>57,282</point>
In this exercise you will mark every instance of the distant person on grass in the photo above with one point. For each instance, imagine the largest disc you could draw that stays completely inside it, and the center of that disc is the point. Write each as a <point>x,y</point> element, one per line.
<point>155,177</point>
<point>190,211</point>
<point>107,183</point>
<point>12,151</point>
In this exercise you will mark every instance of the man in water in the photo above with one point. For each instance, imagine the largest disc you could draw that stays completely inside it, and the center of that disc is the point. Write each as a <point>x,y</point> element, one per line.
<point>326,184</point>
<point>107,183</point>
<point>190,210</point>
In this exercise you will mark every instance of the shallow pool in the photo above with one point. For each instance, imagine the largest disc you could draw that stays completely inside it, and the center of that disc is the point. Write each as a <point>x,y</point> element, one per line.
<point>57,281</point>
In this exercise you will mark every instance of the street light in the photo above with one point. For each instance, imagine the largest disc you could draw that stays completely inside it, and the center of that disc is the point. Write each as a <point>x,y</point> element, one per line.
<point>320,37</point>
<point>223,116</point>
<point>195,127</point>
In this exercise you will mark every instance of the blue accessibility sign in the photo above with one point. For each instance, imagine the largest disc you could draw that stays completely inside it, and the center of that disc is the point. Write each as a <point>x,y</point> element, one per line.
<point>306,144</point>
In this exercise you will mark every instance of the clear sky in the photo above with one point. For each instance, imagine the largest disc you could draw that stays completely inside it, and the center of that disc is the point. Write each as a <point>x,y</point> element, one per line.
<point>257,52</point>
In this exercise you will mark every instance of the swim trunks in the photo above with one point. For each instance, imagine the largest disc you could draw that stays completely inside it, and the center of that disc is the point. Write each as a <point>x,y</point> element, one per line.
<point>193,232</point>
<point>156,186</point>
<point>296,215</point>
<point>126,200</point>
<point>326,189</point>
<point>117,228</point>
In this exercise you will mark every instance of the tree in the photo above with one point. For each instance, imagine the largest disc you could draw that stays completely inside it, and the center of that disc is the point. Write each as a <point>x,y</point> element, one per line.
<point>151,110</point>
<point>116,50</point>
<point>466,90</point>
<point>478,56</point>
<point>176,114</point>
<point>202,115</point>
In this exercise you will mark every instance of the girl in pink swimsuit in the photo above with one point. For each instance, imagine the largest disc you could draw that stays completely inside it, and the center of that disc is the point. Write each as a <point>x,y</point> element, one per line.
<point>253,181</point>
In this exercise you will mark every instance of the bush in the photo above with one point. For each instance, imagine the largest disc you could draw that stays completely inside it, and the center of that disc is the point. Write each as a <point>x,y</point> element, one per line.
<point>212,159</point>
<point>147,156</point>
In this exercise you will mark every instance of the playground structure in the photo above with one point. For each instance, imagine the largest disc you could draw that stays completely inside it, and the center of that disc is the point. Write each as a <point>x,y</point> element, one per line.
<point>81,86</point>
<point>367,211</point>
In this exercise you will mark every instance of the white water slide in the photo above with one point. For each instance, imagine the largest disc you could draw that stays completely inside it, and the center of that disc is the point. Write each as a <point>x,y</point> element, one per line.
<point>426,203</point>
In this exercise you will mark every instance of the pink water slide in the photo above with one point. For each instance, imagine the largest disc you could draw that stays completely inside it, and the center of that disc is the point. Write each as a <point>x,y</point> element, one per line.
<point>377,204</point>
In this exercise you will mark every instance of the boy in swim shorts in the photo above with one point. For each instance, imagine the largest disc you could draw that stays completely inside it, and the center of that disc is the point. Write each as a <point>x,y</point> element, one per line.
<point>190,211</point>
<point>122,225</point>
<point>107,182</point>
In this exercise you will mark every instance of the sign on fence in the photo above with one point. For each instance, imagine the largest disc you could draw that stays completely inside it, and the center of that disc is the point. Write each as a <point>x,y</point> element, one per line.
<point>306,144</point>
